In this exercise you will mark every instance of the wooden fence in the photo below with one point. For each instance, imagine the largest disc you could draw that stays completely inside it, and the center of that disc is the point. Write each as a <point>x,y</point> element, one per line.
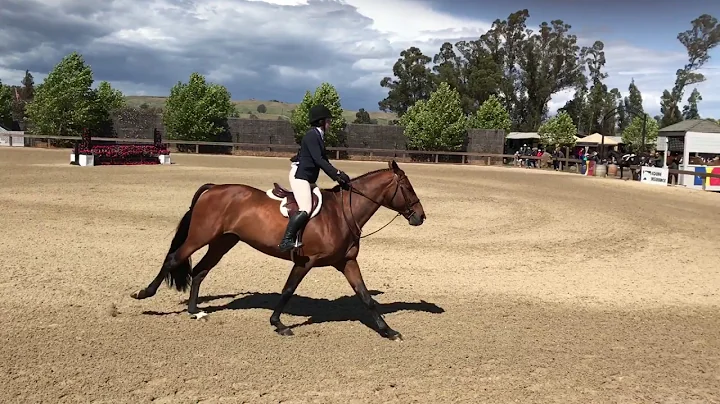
<point>466,157</point>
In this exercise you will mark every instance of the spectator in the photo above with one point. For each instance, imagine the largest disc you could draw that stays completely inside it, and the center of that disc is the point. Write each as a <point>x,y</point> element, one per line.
<point>557,155</point>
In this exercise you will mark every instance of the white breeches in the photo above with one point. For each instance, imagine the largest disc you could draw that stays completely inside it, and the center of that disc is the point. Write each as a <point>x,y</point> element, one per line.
<point>302,191</point>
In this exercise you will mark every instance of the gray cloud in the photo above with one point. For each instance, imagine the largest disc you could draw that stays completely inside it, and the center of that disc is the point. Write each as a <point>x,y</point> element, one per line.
<point>274,49</point>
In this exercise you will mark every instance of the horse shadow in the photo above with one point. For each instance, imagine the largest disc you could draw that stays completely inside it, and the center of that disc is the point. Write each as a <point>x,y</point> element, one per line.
<point>318,310</point>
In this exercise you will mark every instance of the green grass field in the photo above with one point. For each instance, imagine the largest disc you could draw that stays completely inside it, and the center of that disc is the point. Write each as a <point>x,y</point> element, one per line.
<point>246,107</point>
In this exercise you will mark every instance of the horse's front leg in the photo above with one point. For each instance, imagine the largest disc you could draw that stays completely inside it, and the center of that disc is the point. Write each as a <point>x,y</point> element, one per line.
<point>297,273</point>
<point>351,270</point>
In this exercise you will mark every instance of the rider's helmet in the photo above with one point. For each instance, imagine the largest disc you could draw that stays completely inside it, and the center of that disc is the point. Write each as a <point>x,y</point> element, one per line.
<point>318,113</point>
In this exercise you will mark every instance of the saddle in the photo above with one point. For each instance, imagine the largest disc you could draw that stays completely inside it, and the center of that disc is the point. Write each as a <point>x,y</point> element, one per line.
<point>288,204</point>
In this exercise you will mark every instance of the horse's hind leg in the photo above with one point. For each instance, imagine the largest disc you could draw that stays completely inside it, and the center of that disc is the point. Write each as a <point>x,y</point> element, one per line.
<point>176,268</point>
<point>152,288</point>
<point>214,254</point>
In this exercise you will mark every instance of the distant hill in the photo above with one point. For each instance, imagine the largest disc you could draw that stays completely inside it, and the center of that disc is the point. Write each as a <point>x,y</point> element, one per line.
<point>274,110</point>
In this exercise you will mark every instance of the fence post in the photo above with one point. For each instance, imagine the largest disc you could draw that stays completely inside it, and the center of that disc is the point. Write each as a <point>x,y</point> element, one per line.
<point>436,157</point>
<point>488,160</point>
<point>463,159</point>
<point>337,154</point>
<point>197,149</point>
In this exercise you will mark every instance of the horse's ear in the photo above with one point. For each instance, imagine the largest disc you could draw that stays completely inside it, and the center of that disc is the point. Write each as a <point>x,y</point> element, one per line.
<point>394,166</point>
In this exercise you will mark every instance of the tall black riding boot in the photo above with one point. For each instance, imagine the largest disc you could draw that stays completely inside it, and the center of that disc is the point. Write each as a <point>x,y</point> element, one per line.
<point>296,222</point>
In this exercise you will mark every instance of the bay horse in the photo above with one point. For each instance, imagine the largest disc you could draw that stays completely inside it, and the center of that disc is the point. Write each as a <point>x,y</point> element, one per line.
<point>628,160</point>
<point>223,215</point>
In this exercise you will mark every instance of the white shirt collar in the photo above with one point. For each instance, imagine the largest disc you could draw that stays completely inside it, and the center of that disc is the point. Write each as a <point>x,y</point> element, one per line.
<point>322,133</point>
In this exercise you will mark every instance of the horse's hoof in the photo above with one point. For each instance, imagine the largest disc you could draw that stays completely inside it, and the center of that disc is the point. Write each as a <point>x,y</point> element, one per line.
<point>198,316</point>
<point>285,332</point>
<point>140,294</point>
<point>394,336</point>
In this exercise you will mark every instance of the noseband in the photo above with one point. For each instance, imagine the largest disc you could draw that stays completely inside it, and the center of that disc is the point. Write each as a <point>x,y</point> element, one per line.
<point>407,213</point>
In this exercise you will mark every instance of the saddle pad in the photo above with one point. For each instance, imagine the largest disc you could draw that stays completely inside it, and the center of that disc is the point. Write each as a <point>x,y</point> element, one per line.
<point>283,202</point>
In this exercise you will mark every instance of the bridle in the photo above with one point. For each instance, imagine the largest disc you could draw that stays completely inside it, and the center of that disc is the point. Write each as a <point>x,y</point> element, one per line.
<point>407,213</point>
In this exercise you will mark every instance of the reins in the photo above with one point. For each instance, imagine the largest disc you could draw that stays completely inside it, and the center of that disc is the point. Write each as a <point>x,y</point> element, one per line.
<point>353,213</point>
<point>359,229</point>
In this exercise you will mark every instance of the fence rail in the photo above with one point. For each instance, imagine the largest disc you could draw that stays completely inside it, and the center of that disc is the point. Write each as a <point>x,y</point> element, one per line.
<point>404,153</point>
<point>337,150</point>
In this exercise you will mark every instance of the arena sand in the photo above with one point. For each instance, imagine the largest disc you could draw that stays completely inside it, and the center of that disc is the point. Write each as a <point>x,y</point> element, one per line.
<point>522,286</point>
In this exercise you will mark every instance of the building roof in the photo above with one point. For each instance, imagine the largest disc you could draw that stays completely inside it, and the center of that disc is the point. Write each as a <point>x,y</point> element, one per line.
<point>693,125</point>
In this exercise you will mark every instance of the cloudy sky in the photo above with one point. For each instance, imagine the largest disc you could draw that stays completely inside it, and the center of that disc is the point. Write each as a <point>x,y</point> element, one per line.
<point>277,49</point>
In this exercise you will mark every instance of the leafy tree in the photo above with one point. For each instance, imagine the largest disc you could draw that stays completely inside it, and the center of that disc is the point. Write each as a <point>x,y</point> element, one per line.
<point>363,117</point>
<point>523,69</point>
<point>634,101</point>
<point>592,107</point>
<point>197,110</point>
<point>105,100</point>
<point>623,119</point>
<point>6,103</point>
<point>109,98</point>
<point>506,42</point>
<point>414,82</point>
<point>690,111</point>
<point>448,68</point>
<point>23,95</point>
<point>698,41</point>
<point>491,115</point>
<point>578,108</point>
<point>438,123</point>
<point>594,59</point>
<point>558,130</point>
<point>63,104</point>
<point>327,95</point>
<point>632,135</point>
<point>549,64</point>
<point>477,76</point>
<point>261,108</point>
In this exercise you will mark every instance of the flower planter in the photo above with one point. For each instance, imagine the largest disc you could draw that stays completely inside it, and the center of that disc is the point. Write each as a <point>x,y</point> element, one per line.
<point>164,158</point>
<point>128,154</point>
<point>84,160</point>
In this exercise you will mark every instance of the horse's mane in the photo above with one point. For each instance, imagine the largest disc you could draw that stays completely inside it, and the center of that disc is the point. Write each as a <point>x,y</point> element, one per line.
<point>337,188</point>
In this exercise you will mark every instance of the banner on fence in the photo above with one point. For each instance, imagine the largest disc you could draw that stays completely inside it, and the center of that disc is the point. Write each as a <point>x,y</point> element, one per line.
<point>711,184</point>
<point>654,175</point>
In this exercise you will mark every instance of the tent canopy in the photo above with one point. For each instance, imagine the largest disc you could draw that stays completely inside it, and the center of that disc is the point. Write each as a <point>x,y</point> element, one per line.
<point>597,138</point>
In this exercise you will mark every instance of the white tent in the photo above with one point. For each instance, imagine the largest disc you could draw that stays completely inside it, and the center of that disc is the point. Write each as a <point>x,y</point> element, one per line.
<point>597,138</point>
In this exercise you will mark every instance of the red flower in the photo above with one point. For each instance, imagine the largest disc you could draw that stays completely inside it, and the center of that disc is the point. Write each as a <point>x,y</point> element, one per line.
<point>126,154</point>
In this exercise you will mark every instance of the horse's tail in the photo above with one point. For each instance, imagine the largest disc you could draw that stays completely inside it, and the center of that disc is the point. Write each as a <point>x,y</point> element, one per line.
<point>179,275</point>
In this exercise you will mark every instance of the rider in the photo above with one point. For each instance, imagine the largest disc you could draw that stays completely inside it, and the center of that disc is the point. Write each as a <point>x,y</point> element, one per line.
<point>304,170</point>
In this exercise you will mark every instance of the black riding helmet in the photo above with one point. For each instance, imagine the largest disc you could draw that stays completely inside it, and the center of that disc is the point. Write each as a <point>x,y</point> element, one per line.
<point>318,113</point>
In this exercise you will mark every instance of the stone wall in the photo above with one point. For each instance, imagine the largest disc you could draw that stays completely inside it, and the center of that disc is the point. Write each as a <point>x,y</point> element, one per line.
<point>139,124</point>
<point>485,141</point>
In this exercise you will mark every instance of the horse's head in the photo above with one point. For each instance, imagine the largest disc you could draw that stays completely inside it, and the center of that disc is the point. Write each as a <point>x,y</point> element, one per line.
<point>401,197</point>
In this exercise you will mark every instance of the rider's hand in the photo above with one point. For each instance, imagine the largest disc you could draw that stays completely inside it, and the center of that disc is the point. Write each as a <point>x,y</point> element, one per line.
<point>343,179</point>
